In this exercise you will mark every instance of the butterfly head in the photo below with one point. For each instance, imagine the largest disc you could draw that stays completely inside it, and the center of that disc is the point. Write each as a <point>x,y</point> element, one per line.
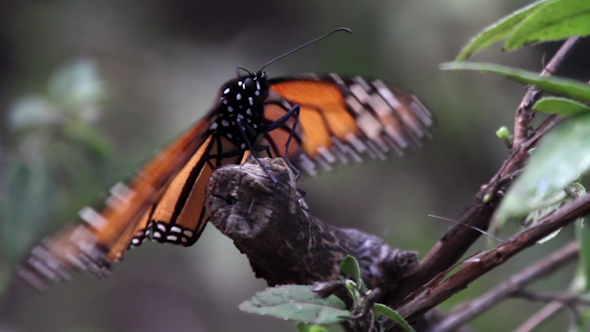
<point>241,108</point>
<point>245,91</point>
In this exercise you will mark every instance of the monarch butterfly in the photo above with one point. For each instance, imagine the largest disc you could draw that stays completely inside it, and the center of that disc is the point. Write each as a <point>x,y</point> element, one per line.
<point>339,119</point>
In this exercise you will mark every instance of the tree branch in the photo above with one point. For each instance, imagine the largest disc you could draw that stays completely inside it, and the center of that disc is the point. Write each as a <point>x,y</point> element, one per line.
<point>540,316</point>
<point>436,291</point>
<point>514,284</point>
<point>524,112</point>
<point>459,238</point>
<point>270,223</point>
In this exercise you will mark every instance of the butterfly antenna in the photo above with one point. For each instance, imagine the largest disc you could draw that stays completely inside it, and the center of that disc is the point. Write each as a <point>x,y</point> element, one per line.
<point>469,226</point>
<point>305,45</point>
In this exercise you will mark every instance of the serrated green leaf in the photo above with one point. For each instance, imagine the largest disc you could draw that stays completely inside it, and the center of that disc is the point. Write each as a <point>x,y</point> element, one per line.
<point>559,86</point>
<point>497,31</point>
<point>386,311</point>
<point>556,20</point>
<point>297,303</point>
<point>560,106</point>
<point>562,156</point>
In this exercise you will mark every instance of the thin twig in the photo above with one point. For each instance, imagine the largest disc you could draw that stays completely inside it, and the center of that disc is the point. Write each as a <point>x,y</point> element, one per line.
<point>433,293</point>
<point>518,281</point>
<point>538,318</point>
<point>551,297</point>
<point>524,112</point>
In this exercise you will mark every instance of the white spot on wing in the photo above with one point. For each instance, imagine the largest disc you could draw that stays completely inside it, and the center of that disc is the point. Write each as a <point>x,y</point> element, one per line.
<point>369,125</point>
<point>363,83</point>
<point>380,106</point>
<point>356,143</point>
<point>307,164</point>
<point>327,154</point>
<point>337,79</point>
<point>354,105</point>
<point>92,217</point>
<point>387,94</point>
<point>360,93</point>
<point>121,191</point>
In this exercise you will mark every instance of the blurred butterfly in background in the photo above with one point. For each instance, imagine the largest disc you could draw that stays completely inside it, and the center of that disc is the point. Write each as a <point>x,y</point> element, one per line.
<point>325,119</point>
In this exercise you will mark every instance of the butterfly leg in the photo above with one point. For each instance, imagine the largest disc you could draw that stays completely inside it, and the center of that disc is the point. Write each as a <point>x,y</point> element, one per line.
<point>251,148</point>
<point>294,112</point>
<point>291,134</point>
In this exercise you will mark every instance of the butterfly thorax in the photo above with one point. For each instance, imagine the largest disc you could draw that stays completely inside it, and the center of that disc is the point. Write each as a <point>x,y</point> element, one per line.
<point>242,104</point>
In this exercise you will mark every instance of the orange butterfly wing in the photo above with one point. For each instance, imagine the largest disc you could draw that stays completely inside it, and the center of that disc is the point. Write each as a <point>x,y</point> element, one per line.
<point>344,118</point>
<point>179,216</point>
<point>104,236</point>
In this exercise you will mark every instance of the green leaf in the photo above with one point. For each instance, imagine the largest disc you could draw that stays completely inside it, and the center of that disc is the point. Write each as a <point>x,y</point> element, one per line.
<point>556,20</point>
<point>350,266</point>
<point>89,139</point>
<point>503,133</point>
<point>559,86</point>
<point>497,31</point>
<point>302,327</point>
<point>32,112</point>
<point>583,237</point>
<point>560,106</point>
<point>584,321</point>
<point>562,156</point>
<point>297,303</point>
<point>386,311</point>
<point>77,83</point>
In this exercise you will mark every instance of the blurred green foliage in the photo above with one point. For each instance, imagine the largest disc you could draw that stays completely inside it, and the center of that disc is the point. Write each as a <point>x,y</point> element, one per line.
<point>55,152</point>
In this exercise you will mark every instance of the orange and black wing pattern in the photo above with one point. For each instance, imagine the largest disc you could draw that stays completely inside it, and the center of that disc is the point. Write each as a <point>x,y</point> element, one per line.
<point>344,119</point>
<point>102,237</point>
<point>338,119</point>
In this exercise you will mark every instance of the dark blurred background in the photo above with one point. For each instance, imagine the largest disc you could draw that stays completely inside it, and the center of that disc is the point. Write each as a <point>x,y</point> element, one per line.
<point>150,68</point>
